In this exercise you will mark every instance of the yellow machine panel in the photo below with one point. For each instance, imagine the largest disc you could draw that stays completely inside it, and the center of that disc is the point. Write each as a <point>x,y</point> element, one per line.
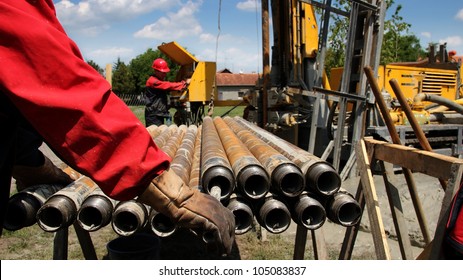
<point>202,84</point>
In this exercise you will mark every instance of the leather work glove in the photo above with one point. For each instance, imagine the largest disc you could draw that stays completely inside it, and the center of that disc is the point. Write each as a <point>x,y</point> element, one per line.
<point>190,208</point>
<point>47,173</point>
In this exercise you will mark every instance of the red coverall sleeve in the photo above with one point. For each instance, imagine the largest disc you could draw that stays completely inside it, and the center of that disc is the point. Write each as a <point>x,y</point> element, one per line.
<point>164,85</point>
<point>70,104</point>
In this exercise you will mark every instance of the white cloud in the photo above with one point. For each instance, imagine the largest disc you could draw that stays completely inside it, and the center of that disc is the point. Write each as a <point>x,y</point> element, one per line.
<point>426,34</point>
<point>100,14</point>
<point>112,52</point>
<point>452,41</point>
<point>248,5</point>
<point>175,25</point>
<point>459,15</point>
<point>207,38</point>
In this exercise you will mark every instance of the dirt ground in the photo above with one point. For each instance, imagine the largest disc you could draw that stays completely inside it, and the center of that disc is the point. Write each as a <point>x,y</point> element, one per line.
<point>259,244</point>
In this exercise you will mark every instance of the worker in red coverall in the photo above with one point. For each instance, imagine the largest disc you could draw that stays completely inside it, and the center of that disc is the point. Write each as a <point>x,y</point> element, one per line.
<point>48,90</point>
<point>156,93</point>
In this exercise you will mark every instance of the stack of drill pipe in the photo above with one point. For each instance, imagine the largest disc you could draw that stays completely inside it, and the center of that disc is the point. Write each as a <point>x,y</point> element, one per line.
<point>60,210</point>
<point>22,207</point>
<point>154,130</point>
<point>216,171</point>
<point>96,211</point>
<point>323,181</point>
<point>171,145</point>
<point>320,176</point>
<point>164,135</point>
<point>286,177</point>
<point>251,177</point>
<point>129,217</point>
<point>180,148</point>
<point>195,171</point>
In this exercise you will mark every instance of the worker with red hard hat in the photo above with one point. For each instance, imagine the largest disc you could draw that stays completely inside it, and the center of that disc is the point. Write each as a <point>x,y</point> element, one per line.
<point>49,93</point>
<point>157,93</point>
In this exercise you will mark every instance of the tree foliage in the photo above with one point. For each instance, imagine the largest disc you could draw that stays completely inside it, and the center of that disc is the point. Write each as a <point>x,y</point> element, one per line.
<point>122,79</point>
<point>398,44</point>
<point>96,67</point>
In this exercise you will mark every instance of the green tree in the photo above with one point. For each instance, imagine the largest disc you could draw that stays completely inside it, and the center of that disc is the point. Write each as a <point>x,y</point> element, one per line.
<point>398,44</point>
<point>140,67</point>
<point>96,67</point>
<point>122,81</point>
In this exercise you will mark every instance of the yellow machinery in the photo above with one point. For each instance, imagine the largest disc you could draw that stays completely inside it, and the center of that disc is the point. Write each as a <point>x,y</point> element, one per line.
<point>201,88</point>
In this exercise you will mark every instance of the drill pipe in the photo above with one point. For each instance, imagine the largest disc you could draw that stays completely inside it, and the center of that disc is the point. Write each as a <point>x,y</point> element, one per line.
<point>96,211</point>
<point>160,224</point>
<point>341,208</point>
<point>171,145</point>
<point>182,162</point>
<point>308,212</point>
<point>162,138</point>
<point>154,130</point>
<point>273,214</point>
<point>242,211</point>
<point>320,175</point>
<point>60,209</point>
<point>195,173</point>
<point>22,207</point>
<point>129,217</point>
<point>215,167</point>
<point>286,177</point>
<point>252,179</point>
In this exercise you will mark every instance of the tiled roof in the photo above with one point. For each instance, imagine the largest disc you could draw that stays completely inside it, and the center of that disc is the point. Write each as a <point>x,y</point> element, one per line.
<point>228,79</point>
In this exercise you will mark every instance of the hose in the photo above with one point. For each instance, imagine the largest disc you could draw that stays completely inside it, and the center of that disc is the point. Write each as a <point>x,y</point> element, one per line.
<point>440,100</point>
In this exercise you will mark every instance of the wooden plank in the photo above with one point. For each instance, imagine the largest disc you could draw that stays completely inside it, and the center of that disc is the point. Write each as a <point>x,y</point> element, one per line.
<point>397,216</point>
<point>371,199</point>
<point>430,163</point>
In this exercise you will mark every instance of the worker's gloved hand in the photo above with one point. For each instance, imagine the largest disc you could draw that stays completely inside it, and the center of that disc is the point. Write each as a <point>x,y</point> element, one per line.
<point>47,173</point>
<point>192,209</point>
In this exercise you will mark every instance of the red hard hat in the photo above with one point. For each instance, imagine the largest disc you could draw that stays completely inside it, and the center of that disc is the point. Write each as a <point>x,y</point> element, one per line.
<point>160,65</point>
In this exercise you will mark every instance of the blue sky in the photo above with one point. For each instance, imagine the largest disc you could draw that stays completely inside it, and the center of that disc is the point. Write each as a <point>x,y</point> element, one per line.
<point>229,34</point>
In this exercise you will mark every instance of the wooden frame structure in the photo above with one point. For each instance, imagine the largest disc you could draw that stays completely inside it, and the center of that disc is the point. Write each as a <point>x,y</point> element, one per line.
<point>442,167</point>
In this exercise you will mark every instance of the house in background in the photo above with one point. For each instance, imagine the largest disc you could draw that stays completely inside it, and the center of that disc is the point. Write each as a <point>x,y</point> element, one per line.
<point>232,87</point>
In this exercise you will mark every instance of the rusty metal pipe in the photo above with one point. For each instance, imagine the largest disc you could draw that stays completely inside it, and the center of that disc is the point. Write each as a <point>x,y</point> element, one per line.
<point>215,167</point>
<point>60,209</point>
<point>308,212</point>
<point>274,215</point>
<point>129,217</point>
<point>96,211</point>
<point>160,224</point>
<point>252,179</point>
<point>343,209</point>
<point>286,177</point>
<point>22,207</point>
<point>165,134</point>
<point>182,162</point>
<point>172,144</point>
<point>242,210</point>
<point>195,173</point>
<point>396,140</point>
<point>320,175</point>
